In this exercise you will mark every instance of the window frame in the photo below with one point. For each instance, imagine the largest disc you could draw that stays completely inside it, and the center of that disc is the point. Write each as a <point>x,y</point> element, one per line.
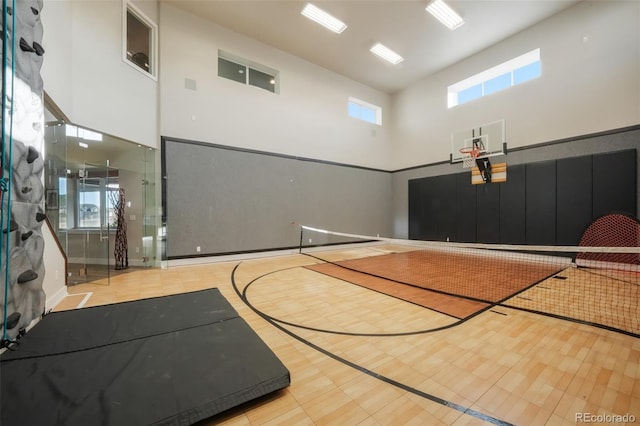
<point>128,7</point>
<point>377,110</point>
<point>490,75</point>
<point>248,67</point>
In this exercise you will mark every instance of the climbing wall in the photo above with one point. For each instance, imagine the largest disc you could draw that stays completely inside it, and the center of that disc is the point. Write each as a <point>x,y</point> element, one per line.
<point>22,272</point>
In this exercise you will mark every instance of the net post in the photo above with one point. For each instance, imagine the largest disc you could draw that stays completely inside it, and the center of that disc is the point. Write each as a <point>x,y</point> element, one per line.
<point>300,246</point>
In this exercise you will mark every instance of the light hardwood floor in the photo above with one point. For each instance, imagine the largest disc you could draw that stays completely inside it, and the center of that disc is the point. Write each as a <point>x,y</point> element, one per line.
<point>358,357</point>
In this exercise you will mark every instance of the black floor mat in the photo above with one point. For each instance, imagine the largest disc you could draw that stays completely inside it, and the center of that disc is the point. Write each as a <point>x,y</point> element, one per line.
<point>168,360</point>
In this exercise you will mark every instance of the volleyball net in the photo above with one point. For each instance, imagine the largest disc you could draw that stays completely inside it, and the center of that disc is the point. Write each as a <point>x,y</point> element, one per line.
<point>596,282</point>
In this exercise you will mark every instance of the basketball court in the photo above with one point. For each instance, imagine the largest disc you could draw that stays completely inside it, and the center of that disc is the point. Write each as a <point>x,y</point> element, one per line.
<point>462,346</point>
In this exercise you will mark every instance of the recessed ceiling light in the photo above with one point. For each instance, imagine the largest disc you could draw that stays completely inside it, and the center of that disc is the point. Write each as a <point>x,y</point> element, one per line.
<point>83,145</point>
<point>445,14</point>
<point>386,54</point>
<point>323,18</point>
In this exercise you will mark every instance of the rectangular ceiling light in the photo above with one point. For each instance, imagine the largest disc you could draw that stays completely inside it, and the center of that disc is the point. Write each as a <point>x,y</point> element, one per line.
<point>323,18</point>
<point>386,54</point>
<point>445,14</point>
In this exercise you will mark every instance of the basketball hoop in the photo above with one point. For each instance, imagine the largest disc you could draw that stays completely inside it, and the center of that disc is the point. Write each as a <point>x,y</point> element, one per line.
<point>469,155</point>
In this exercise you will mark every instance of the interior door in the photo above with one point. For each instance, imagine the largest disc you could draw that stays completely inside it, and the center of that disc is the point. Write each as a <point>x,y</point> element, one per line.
<point>96,216</point>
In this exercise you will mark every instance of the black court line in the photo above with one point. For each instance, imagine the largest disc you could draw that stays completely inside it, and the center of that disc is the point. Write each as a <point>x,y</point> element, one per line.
<point>425,395</point>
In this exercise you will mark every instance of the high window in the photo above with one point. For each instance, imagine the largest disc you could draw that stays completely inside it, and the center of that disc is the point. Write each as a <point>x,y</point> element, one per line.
<point>510,73</point>
<point>365,111</point>
<point>247,72</point>
<point>139,40</point>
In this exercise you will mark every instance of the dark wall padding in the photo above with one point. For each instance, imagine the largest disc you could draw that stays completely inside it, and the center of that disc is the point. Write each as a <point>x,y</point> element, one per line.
<point>466,207</point>
<point>574,198</point>
<point>614,181</point>
<point>544,203</point>
<point>488,213</point>
<point>513,206</point>
<point>447,223</point>
<point>416,212</point>
<point>167,360</point>
<point>540,193</point>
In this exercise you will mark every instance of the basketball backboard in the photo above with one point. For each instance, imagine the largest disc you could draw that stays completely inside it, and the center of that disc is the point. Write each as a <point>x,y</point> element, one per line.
<point>491,137</point>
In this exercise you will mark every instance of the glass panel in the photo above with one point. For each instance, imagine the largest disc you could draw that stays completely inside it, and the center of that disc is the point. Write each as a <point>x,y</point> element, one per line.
<point>470,94</point>
<point>354,110</point>
<point>138,42</point>
<point>232,71</point>
<point>497,83</point>
<point>368,114</point>
<point>81,185</point>
<point>89,205</point>
<point>528,72</point>
<point>151,242</point>
<point>262,80</point>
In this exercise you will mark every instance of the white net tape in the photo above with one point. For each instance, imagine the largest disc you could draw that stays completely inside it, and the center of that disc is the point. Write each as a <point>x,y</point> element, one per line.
<point>468,161</point>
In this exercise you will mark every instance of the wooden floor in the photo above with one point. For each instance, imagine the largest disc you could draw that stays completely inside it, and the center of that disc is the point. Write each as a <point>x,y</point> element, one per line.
<point>359,357</point>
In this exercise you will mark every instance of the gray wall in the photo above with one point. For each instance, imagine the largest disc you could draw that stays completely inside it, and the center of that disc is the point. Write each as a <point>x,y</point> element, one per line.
<point>590,144</point>
<point>228,200</point>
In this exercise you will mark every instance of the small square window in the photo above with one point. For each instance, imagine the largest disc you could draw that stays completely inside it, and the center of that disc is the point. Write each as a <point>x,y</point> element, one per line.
<point>263,80</point>
<point>232,71</point>
<point>364,111</point>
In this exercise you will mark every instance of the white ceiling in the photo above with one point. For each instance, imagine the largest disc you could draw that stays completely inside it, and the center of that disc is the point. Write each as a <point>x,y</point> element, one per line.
<point>402,25</point>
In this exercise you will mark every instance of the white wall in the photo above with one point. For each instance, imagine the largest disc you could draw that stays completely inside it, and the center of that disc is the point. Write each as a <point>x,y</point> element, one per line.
<point>587,85</point>
<point>57,41</point>
<point>85,75</point>
<point>308,118</point>
<point>55,280</point>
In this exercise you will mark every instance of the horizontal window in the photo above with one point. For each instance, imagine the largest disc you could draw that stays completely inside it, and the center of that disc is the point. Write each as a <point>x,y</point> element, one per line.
<point>510,73</point>
<point>365,111</point>
<point>246,72</point>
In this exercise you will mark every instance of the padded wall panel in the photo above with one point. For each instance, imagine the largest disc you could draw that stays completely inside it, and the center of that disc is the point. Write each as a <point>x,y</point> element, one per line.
<point>512,206</point>
<point>431,205</point>
<point>574,200</point>
<point>447,209</point>
<point>415,208</point>
<point>488,213</point>
<point>465,209</point>
<point>540,187</point>
<point>614,183</point>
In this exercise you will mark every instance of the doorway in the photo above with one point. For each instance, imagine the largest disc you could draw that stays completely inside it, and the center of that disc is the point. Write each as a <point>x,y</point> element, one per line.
<point>100,202</point>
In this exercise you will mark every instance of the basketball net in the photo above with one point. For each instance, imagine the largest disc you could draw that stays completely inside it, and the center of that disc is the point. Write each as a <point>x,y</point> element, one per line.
<point>469,155</point>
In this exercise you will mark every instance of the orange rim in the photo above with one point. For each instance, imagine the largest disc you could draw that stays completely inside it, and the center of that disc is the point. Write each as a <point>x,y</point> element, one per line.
<point>473,152</point>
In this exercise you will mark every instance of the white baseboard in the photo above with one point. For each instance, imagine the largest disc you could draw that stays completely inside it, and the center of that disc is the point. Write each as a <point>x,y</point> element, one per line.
<point>53,300</point>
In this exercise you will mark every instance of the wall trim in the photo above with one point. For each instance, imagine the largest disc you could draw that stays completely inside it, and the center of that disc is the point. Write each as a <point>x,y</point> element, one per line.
<point>164,139</point>
<point>267,153</point>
